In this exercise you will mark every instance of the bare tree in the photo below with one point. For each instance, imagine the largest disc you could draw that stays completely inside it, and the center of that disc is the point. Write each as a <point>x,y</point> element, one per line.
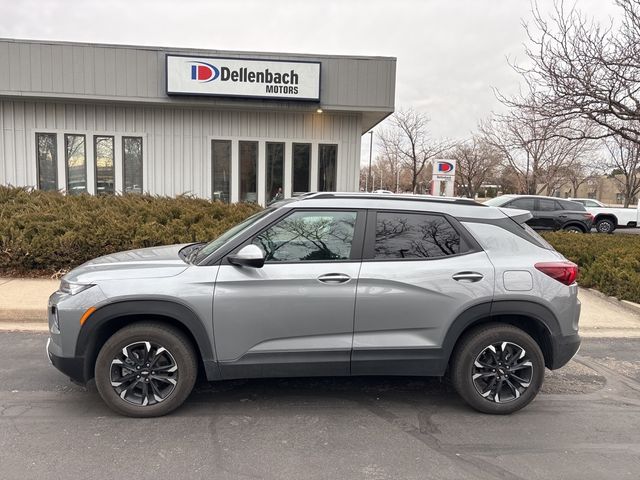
<point>476,161</point>
<point>580,69</point>
<point>536,148</point>
<point>409,141</point>
<point>624,162</point>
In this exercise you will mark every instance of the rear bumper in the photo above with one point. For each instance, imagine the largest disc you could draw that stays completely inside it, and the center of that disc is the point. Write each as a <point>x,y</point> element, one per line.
<point>563,349</point>
<point>73,367</point>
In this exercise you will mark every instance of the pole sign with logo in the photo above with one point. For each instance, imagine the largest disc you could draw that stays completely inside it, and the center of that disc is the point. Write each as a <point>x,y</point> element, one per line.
<point>235,77</point>
<point>444,175</point>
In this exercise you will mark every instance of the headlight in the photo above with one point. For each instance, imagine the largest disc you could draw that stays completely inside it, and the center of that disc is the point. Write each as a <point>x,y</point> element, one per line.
<point>72,288</point>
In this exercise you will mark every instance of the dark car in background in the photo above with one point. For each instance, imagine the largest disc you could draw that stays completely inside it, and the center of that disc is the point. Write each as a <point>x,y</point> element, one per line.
<point>549,213</point>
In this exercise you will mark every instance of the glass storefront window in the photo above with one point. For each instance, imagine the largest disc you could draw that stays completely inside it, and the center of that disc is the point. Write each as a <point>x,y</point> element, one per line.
<point>105,165</point>
<point>301,168</point>
<point>248,171</point>
<point>76,163</point>
<point>327,167</point>
<point>220,169</point>
<point>47,161</point>
<point>275,172</point>
<point>132,164</point>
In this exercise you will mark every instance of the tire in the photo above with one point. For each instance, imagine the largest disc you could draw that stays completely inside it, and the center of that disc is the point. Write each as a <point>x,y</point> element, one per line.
<point>573,229</point>
<point>605,225</point>
<point>475,346</point>
<point>167,386</point>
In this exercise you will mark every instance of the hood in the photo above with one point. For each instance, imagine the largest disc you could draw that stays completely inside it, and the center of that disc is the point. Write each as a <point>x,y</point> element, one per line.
<point>154,262</point>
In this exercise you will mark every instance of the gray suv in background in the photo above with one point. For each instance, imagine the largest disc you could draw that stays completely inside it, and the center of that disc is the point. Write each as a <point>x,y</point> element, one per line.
<point>326,284</point>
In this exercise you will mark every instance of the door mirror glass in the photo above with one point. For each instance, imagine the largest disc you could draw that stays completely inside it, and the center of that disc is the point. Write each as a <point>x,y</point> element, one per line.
<point>248,256</point>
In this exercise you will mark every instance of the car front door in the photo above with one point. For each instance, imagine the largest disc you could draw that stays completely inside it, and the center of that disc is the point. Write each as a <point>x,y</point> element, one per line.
<point>294,315</point>
<point>549,214</point>
<point>420,272</point>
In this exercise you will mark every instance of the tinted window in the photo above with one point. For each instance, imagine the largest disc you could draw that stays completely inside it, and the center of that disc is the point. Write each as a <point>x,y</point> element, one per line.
<point>566,205</point>
<point>523,203</point>
<point>76,163</point>
<point>301,168</point>
<point>547,205</point>
<point>309,236</point>
<point>132,164</point>
<point>220,169</point>
<point>105,166</point>
<point>248,171</point>
<point>414,235</point>
<point>327,159</point>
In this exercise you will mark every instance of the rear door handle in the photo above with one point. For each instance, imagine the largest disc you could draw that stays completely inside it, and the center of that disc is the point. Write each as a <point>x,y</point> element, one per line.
<point>468,277</point>
<point>334,278</point>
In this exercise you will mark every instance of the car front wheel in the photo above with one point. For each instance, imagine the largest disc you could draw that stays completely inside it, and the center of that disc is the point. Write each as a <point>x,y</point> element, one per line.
<point>497,369</point>
<point>146,370</point>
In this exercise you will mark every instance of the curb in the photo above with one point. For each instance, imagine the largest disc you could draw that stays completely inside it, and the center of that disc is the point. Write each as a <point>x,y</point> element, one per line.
<point>626,304</point>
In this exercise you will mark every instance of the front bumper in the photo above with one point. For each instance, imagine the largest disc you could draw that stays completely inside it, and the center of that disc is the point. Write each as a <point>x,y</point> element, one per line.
<point>73,367</point>
<point>563,349</point>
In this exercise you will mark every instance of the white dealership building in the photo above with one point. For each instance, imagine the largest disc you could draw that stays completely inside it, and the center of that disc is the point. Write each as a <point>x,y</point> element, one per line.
<point>225,125</point>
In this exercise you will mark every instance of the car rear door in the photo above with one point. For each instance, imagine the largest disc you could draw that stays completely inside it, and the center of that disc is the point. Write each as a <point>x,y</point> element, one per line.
<point>293,316</point>
<point>420,272</point>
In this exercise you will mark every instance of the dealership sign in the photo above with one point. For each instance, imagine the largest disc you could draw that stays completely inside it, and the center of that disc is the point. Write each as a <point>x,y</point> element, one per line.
<point>233,77</point>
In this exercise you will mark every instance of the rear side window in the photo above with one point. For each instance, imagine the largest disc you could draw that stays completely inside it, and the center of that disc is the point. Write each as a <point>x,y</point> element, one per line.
<point>522,203</point>
<point>567,205</point>
<point>402,235</point>
<point>547,205</point>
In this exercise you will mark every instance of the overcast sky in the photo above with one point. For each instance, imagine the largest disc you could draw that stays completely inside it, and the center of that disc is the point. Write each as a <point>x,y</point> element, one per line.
<point>450,52</point>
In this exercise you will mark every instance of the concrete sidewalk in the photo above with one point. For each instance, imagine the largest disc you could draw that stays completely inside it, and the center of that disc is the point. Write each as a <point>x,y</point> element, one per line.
<point>23,306</point>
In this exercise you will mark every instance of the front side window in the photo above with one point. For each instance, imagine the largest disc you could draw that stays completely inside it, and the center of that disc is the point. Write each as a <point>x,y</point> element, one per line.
<point>402,235</point>
<point>248,171</point>
<point>132,164</point>
<point>105,165</point>
<point>76,163</point>
<point>309,236</point>
<point>220,169</point>
<point>523,204</point>
<point>301,168</point>
<point>327,167</point>
<point>547,205</point>
<point>47,161</point>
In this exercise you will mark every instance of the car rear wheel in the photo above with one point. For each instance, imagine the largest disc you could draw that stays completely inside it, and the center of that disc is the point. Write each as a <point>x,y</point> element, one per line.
<point>605,225</point>
<point>497,369</point>
<point>146,370</point>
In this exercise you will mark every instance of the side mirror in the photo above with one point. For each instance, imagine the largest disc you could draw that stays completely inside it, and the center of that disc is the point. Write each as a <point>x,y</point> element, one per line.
<point>248,256</point>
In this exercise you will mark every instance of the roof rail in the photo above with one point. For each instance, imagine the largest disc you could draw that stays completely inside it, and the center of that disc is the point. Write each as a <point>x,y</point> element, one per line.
<point>387,196</point>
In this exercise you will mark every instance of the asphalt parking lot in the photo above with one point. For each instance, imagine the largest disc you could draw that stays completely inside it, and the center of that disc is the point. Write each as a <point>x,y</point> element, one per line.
<point>584,425</point>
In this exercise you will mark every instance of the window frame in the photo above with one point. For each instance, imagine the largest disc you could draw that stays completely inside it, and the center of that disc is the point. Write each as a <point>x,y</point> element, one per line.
<point>468,244</point>
<point>86,162</point>
<point>95,163</point>
<point>293,168</point>
<point>335,179</point>
<point>357,243</point>
<point>267,193</point>
<point>510,204</point>
<point>212,176</point>
<point>256,161</point>
<point>124,163</point>
<point>55,166</point>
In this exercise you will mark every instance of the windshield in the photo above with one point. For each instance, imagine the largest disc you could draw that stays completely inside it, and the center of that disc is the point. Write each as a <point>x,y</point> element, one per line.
<point>213,245</point>
<point>497,201</point>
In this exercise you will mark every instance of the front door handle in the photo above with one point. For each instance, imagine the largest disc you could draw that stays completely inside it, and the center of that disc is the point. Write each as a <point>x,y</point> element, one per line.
<point>334,278</point>
<point>468,277</point>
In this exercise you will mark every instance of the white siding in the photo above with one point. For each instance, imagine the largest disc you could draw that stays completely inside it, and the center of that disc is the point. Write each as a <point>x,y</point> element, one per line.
<point>176,140</point>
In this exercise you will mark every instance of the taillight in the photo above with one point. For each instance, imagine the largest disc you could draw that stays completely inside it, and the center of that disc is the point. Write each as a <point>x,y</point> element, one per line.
<point>564,272</point>
<point>588,216</point>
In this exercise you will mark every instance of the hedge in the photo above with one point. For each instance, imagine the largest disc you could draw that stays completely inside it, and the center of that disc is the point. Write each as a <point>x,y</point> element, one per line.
<point>608,263</point>
<point>46,233</point>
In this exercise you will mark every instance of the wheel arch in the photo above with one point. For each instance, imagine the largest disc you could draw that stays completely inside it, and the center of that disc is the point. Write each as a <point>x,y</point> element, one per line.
<point>575,224</point>
<point>606,216</point>
<point>533,318</point>
<point>110,318</point>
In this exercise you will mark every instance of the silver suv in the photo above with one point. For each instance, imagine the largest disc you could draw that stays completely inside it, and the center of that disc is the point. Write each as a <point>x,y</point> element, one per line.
<point>326,284</point>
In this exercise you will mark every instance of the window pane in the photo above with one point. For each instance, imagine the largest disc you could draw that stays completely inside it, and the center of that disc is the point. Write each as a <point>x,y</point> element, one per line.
<point>47,161</point>
<point>523,203</point>
<point>76,158</point>
<point>275,172</point>
<point>407,235</point>
<point>301,167</point>
<point>248,171</point>
<point>545,205</point>
<point>220,169</point>
<point>105,170</point>
<point>309,236</point>
<point>132,164</point>
<point>327,161</point>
